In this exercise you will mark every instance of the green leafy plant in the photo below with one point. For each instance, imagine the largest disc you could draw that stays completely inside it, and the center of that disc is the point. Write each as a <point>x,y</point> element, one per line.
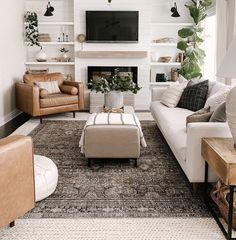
<point>31,29</point>
<point>64,50</point>
<point>114,83</point>
<point>194,54</point>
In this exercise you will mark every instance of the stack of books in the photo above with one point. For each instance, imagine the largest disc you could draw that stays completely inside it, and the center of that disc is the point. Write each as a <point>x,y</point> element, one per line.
<point>44,37</point>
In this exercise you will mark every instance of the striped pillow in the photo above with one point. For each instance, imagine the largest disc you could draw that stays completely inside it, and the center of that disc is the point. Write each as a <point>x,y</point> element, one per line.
<point>172,95</point>
<point>50,86</point>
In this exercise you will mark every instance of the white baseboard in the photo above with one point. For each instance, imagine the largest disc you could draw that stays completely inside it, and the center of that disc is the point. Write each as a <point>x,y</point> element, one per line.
<point>9,117</point>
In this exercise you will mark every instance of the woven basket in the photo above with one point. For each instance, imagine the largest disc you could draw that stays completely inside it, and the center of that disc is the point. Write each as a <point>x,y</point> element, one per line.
<point>218,195</point>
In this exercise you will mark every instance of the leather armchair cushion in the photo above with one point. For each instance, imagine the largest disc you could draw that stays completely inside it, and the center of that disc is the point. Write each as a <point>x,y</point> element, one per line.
<point>43,93</point>
<point>60,99</point>
<point>35,78</point>
<point>69,89</point>
<point>51,86</point>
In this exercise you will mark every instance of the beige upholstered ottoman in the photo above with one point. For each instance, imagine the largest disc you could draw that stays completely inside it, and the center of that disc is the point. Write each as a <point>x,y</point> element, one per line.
<point>107,140</point>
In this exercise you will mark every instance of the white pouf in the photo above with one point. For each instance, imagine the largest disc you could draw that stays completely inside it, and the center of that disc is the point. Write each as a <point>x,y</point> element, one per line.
<point>46,177</point>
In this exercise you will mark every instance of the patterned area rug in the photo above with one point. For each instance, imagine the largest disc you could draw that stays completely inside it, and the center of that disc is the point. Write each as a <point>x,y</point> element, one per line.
<point>113,188</point>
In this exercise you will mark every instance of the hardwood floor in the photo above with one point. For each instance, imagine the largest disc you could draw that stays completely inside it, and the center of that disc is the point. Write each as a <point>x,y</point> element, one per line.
<point>12,125</point>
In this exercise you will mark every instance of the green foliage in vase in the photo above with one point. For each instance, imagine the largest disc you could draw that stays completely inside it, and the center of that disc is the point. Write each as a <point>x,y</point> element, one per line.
<point>31,29</point>
<point>194,54</point>
<point>114,82</point>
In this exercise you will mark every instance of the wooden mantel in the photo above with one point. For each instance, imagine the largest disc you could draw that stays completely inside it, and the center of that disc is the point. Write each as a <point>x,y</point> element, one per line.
<point>112,54</point>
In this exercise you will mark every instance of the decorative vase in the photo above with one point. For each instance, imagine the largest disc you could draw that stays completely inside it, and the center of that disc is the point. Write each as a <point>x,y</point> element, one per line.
<point>41,56</point>
<point>155,56</point>
<point>114,99</point>
<point>231,112</point>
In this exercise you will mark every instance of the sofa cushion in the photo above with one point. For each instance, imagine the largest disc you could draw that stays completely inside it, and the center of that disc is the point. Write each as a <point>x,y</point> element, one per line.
<point>219,115</point>
<point>202,115</point>
<point>218,86</point>
<point>172,95</point>
<point>60,99</point>
<point>194,97</point>
<point>51,86</point>
<point>69,89</point>
<point>32,79</point>
<point>43,93</point>
<point>216,99</point>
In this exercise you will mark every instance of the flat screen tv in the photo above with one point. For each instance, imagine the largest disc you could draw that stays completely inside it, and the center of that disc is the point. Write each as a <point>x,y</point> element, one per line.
<point>112,26</point>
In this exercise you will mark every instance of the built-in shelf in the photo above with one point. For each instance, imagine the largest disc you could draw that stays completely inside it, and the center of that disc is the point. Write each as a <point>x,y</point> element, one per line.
<point>112,54</point>
<point>51,63</point>
<point>56,43</point>
<point>164,44</point>
<point>163,83</point>
<point>165,64</point>
<point>55,23</point>
<point>172,24</point>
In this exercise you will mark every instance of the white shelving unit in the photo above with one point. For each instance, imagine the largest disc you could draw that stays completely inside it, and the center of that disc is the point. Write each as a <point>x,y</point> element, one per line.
<point>161,30</point>
<point>61,22</point>
<point>50,63</point>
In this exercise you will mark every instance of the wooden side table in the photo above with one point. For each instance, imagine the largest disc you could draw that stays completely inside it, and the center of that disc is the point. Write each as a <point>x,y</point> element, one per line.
<point>220,155</point>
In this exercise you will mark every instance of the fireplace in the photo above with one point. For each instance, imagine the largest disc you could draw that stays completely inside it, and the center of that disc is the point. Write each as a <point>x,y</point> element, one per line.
<point>98,72</point>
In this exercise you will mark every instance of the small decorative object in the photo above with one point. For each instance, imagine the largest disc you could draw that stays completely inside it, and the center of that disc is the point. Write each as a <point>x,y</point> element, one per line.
<point>155,56</point>
<point>64,57</point>
<point>180,57</point>
<point>113,87</point>
<point>58,39</point>
<point>166,59</point>
<point>63,37</point>
<point>174,74</point>
<point>81,38</point>
<point>109,2</point>
<point>174,11</point>
<point>41,56</point>
<point>161,77</point>
<point>44,37</point>
<point>68,77</point>
<point>49,11</point>
<point>31,29</point>
<point>165,40</point>
<point>191,66</point>
<point>67,38</point>
<point>228,70</point>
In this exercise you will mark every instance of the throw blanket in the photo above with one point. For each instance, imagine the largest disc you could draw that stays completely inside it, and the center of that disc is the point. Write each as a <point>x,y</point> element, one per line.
<point>113,119</point>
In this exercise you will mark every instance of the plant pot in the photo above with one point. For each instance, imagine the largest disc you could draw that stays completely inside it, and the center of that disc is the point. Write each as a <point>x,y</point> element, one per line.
<point>114,99</point>
<point>41,56</point>
<point>231,112</point>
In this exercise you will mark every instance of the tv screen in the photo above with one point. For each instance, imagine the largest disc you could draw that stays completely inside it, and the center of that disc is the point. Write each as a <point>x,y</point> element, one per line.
<point>112,26</point>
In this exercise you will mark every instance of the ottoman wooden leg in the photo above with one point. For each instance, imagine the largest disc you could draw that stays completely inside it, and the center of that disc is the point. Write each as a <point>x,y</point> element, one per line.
<point>136,162</point>
<point>12,224</point>
<point>89,162</point>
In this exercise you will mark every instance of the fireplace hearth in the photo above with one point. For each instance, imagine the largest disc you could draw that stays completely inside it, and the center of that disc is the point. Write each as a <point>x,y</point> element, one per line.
<point>98,72</point>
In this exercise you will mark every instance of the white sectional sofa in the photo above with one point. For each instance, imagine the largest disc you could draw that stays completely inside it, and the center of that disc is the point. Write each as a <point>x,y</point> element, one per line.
<point>185,142</point>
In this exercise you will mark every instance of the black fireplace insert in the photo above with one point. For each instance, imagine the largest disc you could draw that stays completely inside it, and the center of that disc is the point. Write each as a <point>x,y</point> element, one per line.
<point>98,72</point>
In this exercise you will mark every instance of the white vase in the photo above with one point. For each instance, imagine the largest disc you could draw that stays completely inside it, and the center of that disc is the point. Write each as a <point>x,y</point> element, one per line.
<point>155,56</point>
<point>114,99</point>
<point>41,56</point>
<point>231,112</point>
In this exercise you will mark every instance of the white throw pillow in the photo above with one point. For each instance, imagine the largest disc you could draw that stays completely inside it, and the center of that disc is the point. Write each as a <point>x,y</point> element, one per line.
<point>50,86</point>
<point>172,95</point>
<point>216,99</point>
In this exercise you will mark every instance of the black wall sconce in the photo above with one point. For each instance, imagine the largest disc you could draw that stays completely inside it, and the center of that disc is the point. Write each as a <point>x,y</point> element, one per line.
<point>174,11</point>
<point>49,10</point>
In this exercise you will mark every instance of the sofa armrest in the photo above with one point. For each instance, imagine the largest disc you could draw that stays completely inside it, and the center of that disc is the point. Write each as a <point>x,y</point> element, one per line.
<point>157,93</point>
<point>17,178</point>
<point>27,98</point>
<point>195,133</point>
<point>80,87</point>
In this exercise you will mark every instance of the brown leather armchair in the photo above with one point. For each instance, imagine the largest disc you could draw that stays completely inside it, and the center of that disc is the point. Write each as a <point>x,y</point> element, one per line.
<point>17,189</point>
<point>31,99</point>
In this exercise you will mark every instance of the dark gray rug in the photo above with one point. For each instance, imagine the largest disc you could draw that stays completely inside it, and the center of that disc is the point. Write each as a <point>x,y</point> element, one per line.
<point>157,188</point>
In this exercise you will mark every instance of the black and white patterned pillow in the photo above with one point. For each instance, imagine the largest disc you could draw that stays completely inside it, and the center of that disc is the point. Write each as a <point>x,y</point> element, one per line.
<point>195,96</point>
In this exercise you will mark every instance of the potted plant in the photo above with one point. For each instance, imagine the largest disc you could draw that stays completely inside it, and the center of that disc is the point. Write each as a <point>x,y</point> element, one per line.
<point>113,88</point>
<point>31,29</point>
<point>194,54</point>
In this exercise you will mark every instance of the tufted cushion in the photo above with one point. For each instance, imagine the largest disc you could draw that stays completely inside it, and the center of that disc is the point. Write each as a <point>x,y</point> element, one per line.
<point>46,177</point>
<point>69,89</point>
<point>61,99</point>
<point>32,79</point>
<point>194,97</point>
<point>43,93</point>
<point>51,86</point>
